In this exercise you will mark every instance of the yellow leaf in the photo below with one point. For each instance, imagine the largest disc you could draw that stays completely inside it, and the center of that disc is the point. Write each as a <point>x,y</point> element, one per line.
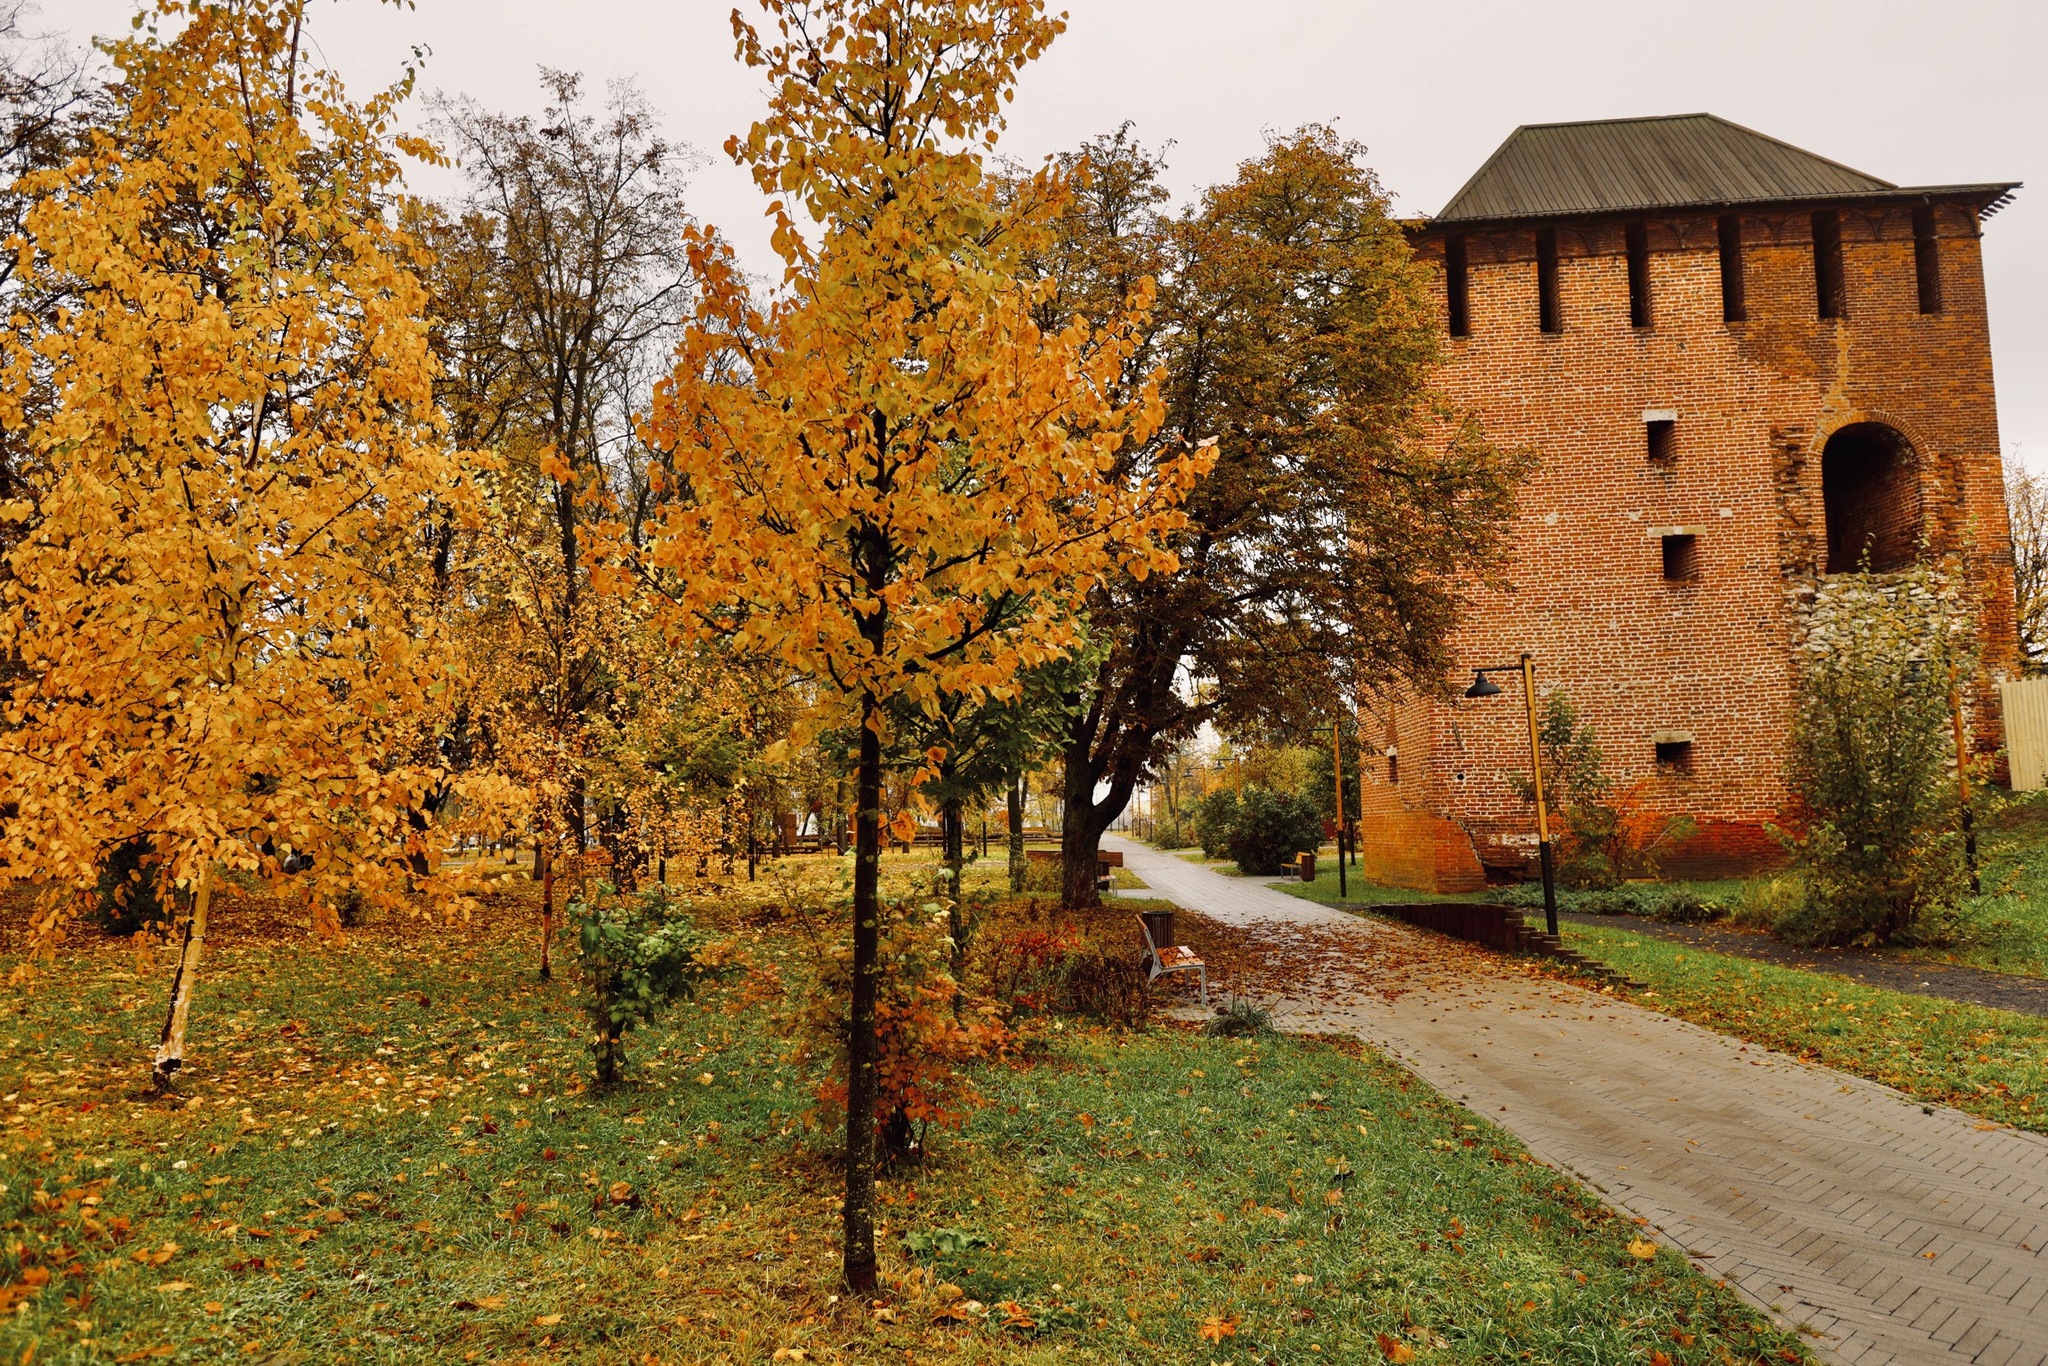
<point>173,1287</point>
<point>547,1320</point>
<point>1642,1247</point>
<point>1216,1327</point>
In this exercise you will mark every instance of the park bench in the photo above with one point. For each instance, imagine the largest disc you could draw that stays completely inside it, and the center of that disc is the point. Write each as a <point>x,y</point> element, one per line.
<point>1161,959</point>
<point>1105,859</point>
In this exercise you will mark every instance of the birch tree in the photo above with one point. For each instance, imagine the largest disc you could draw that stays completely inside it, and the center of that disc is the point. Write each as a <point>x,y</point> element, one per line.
<point>214,609</point>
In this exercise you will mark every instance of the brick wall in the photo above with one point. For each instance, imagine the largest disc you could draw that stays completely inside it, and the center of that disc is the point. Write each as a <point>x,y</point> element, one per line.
<point>1709,657</point>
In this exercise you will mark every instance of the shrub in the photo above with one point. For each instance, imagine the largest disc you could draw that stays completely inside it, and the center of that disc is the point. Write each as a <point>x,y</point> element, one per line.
<point>1872,764</point>
<point>927,1027</point>
<point>1606,838</point>
<point>127,896</point>
<point>1173,830</point>
<point>1270,829</point>
<point>1046,964</point>
<point>641,953</point>
<point>1215,816</point>
<point>1763,902</point>
<point>1043,875</point>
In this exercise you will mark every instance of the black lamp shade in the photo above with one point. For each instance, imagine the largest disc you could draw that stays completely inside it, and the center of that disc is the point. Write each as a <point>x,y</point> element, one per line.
<point>1482,686</point>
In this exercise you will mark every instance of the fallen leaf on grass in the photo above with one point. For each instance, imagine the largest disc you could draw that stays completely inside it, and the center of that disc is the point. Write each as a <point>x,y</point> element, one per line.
<point>547,1320</point>
<point>1642,1248</point>
<point>1216,1328</point>
<point>486,1302</point>
<point>790,1354</point>
<point>173,1287</point>
<point>1394,1349</point>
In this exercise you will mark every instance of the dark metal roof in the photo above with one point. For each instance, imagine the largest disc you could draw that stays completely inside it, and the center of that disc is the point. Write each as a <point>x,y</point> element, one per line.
<point>1552,170</point>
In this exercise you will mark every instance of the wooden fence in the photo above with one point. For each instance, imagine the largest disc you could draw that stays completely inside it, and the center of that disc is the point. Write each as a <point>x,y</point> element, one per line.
<point>2025,704</point>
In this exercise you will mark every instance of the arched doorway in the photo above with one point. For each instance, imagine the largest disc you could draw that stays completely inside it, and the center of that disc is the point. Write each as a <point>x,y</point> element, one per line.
<point>1870,493</point>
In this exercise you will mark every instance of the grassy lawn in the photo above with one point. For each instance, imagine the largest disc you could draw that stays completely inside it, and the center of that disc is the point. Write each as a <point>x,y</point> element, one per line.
<point>1992,1063</point>
<point>1357,890</point>
<point>2007,928</point>
<point>389,1152</point>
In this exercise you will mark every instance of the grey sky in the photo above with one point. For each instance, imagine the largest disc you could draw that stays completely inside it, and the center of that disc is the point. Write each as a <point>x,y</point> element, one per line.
<point>1910,90</point>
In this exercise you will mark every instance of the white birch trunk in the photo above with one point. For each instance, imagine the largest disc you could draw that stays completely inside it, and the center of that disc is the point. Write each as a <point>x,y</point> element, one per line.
<point>170,1052</point>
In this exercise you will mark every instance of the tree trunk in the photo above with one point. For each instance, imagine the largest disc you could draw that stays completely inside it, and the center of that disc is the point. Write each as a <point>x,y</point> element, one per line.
<point>1085,819</point>
<point>170,1049</point>
<point>953,828</point>
<point>861,1045</point>
<point>1016,805</point>
<point>547,914</point>
<point>611,1056</point>
<point>953,825</point>
<point>579,833</point>
<point>1080,840</point>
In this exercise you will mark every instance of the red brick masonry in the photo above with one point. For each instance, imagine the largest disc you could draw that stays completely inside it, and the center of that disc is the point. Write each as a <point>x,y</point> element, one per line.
<point>1753,404</point>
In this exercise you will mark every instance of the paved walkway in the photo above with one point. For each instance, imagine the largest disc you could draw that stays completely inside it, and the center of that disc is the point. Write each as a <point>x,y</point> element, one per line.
<point>1889,1233</point>
<point>1948,981</point>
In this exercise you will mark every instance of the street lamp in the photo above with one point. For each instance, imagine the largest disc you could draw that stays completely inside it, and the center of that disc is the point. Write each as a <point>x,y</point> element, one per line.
<point>1482,686</point>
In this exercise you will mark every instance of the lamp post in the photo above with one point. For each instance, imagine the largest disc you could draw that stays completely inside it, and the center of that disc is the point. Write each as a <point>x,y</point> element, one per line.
<point>1482,686</point>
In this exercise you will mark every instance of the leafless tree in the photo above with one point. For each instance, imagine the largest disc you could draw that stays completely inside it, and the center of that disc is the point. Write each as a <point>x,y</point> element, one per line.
<point>560,281</point>
<point>2026,502</point>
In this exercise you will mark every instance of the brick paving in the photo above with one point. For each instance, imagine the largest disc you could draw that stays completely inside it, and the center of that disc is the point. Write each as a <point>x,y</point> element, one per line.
<point>1887,1231</point>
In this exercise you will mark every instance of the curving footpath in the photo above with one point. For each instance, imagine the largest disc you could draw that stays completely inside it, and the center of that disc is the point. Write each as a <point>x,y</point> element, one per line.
<point>1886,1232</point>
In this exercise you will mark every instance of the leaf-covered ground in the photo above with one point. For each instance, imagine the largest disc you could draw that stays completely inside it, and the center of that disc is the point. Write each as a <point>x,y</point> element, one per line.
<point>1992,1063</point>
<point>389,1153</point>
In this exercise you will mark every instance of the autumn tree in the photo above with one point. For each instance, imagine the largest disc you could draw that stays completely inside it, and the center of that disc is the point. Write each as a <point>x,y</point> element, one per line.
<point>213,609</point>
<point>898,482</point>
<point>1325,551</point>
<point>558,281</point>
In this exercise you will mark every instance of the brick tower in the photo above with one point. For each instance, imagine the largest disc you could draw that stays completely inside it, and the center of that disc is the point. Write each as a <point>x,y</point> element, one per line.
<point>1744,368</point>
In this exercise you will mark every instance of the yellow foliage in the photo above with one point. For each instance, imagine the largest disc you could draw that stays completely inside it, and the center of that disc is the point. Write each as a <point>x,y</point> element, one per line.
<point>224,644</point>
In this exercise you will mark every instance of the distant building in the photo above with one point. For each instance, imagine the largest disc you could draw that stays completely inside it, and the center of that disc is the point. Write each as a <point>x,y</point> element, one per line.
<point>1745,368</point>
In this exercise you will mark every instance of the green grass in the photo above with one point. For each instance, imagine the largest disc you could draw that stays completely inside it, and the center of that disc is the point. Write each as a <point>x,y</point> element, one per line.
<point>2007,928</point>
<point>1357,890</point>
<point>1992,1063</point>
<point>390,1153</point>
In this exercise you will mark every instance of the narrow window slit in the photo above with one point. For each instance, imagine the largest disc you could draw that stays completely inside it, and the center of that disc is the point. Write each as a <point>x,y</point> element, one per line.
<point>1734,308</point>
<point>1927,259</point>
<point>1548,316</point>
<point>1827,264</point>
<point>1457,287</point>
<point>1637,236</point>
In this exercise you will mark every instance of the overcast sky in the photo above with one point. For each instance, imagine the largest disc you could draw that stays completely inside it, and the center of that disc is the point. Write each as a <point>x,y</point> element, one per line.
<point>1913,91</point>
